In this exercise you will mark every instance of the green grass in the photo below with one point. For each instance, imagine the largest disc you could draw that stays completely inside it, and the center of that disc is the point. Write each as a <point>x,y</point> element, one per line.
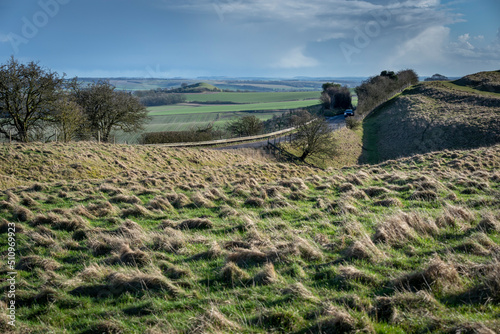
<point>253,97</point>
<point>307,224</point>
<point>166,110</point>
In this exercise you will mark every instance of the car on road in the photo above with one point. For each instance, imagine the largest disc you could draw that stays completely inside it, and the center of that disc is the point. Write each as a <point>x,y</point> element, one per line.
<point>348,112</point>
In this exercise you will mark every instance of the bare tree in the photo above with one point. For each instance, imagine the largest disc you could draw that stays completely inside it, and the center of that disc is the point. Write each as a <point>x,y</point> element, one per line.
<point>28,94</point>
<point>313,138</point>
<point>69,119</point>
<point>107,110</point>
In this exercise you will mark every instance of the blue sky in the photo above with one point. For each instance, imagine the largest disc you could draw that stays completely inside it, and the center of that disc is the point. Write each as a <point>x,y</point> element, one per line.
<point>265,38</point>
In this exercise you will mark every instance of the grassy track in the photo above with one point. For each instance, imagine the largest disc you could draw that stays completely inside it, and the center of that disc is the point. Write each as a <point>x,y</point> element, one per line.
<point>253,97</point>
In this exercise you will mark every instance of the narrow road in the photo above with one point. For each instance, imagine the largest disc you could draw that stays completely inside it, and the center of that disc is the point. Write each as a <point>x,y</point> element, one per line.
<point>335,122</point>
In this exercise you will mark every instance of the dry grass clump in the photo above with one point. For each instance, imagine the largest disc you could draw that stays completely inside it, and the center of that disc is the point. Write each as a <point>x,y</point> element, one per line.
<point>178,200</point>
<point>131,257</point>
<point>105,326</point>
<point>246,257</point>
<point>29,202</point>
<point>454,216</point>
<point>294,184</point>
<point>169,241</point>
<point>174,272</point>
<point>214,251</point>
<point>102,209</point>
<point>213,321</point>
<point>159,203</point>
<point>376,191</point>
<point>438,275</point>
<point>489,223</point>
<point>478,244</point>
<point>231,273</point>
<point>470,328</point>
<point>200,201</point>
<point>307,250</point>
<point>351,273</point>
<point>400,228</point>
<point>32,262</point>
<point>388,308</point>
<point>424,195</point>
<point>255,202</point>
<point>136,211</point>
<point>132,199</point>
<point>364,249</point>
<point>339,321</point>
<point>22,214</point>
<point>195,223</point>
<point>298,291</point>
<point>67,222</point>
<point>267,275</point>
<point>388,202</point>
<point>102,244</point>
<point>347,187</point>
<point>138,281</point>
<point>94,272</point>
<point>110,189</point>
<point>226,211</point>
<point>131,231</point>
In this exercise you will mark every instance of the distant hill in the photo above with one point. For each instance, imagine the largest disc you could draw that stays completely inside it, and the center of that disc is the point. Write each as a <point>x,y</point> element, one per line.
<point>435,116</point>
<point>485,81</point>
<point>200,87</point>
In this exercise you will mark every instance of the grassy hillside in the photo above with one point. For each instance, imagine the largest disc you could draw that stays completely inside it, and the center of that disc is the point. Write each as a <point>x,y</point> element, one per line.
<point>200,87</point>
<point>433,116</point>
<point>123,239</point>
<point>485,81</point>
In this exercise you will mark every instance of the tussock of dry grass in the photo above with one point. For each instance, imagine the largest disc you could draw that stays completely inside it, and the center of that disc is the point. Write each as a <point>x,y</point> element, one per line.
<point>489,223</point>
<point>195,223</point>
<point>438,275</point>
<point>403,227</point>
<point>21,214</point>
<point>32,262</point>
<point>364,249</point>
<point>267,275</point>
<point>213,321</point>
<point>339,321</point>
<point>389,202</point>
<point>298,291</point>
<point>245,257</point>
<point>231,273</point>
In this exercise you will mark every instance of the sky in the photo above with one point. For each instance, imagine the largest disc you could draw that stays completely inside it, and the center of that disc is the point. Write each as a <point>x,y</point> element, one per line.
<point>252,38</point>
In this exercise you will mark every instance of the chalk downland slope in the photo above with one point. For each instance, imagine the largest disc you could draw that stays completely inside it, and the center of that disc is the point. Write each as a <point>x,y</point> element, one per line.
<point>434,116</point>
<point>122,239</point>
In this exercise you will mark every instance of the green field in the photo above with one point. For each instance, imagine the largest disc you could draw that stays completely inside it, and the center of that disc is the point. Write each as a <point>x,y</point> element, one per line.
<point>167,110</point>
<point>253,97</point>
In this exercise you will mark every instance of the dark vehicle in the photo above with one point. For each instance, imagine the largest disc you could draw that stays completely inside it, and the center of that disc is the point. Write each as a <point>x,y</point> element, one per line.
<point>348,112</point>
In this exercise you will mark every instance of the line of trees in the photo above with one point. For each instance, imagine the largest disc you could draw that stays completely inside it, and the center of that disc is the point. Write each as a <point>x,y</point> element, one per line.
<point>335,96</point>
<point>380,88</point>
<point>158,97</point>
<point>34,101</point>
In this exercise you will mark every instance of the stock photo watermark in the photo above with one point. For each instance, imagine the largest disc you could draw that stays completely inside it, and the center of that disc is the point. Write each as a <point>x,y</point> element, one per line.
<point>366,33</point>
<point>222,7</point>
<point>31,25</point>
<point>11,274</point>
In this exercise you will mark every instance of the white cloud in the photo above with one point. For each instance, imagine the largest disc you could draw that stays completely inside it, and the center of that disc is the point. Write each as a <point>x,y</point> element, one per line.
<point>296,59</point>
<point>426,47</point>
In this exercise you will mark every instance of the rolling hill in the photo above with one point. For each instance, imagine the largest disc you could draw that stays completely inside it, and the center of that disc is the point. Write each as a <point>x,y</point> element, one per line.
<point>435,116</point>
